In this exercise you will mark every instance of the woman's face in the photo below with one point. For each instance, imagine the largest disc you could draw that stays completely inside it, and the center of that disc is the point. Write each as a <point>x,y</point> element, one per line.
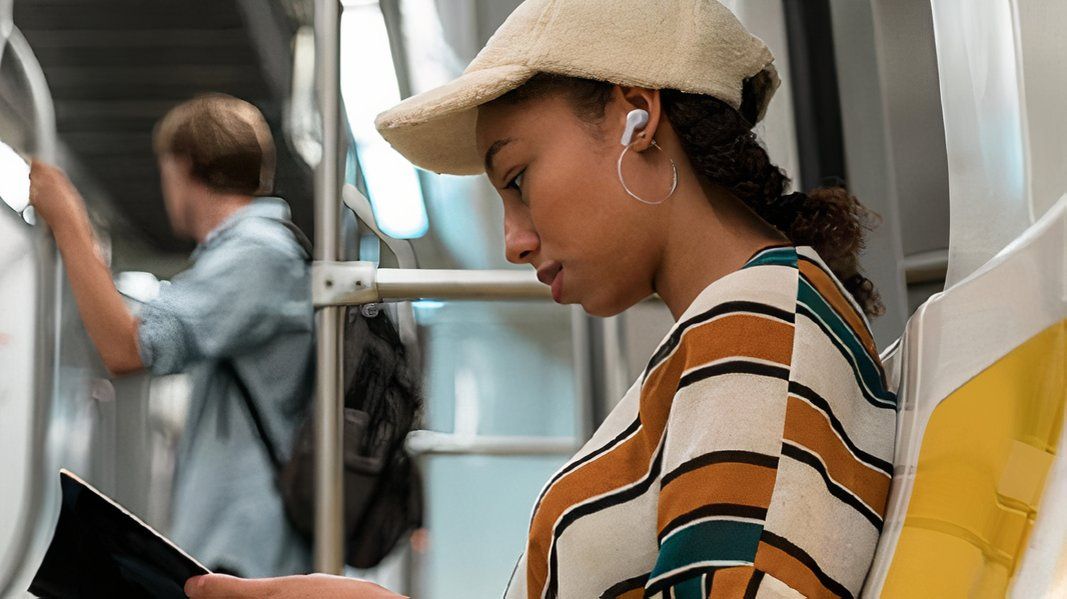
<point>565,212</point>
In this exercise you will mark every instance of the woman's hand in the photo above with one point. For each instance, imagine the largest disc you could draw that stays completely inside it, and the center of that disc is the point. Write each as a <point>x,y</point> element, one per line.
<point>312,586</point>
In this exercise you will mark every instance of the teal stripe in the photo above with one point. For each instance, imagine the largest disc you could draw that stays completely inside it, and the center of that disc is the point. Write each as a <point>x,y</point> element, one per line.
<point>713,540</point>
<point>868,373</point>
<point>688,588</point>
<point>775,256</point>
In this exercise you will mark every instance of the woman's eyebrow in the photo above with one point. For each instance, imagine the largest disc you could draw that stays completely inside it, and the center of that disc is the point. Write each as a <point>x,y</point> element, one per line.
<point>492,151</point>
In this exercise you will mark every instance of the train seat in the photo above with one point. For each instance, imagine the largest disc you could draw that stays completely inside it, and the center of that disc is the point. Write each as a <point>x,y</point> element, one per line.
<point>978,506</point>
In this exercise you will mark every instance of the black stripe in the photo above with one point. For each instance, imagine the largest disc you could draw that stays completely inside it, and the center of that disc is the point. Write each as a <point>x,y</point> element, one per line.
<point>709,580</point>
<point>637,582</point>
<point>851,301</point>
<point>735,456</point>
<point>875,358</point>
<point>821,404</point>
<point>741,307</point>
<point>734,367</point>
<point>835,489</point>
<point>768,249</point>
<point>605,502</point>
<point>872,357</point>
<point>636,424</point>
<point>665,583</point>
<point>870,396</point>
<point>753,584</point>
<point>714,509</point>
<point>801,556</point>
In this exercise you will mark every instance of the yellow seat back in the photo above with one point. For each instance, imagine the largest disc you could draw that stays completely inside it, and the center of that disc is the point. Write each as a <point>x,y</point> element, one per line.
<point>982,381</point>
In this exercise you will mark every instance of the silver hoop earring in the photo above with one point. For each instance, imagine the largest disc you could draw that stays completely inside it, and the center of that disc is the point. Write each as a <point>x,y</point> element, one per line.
<point>674,177</point>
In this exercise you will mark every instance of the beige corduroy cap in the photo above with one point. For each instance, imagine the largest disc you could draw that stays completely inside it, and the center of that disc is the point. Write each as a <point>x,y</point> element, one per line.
<point>695,46</point>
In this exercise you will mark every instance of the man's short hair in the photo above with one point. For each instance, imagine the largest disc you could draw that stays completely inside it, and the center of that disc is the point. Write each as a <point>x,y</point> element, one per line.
<point>226,140</point>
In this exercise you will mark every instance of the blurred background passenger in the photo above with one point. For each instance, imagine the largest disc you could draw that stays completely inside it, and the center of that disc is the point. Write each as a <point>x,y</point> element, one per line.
<point>240,316</point>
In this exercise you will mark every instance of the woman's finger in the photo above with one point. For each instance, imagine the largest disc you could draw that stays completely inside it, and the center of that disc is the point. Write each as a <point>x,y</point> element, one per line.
<point>221,586</point>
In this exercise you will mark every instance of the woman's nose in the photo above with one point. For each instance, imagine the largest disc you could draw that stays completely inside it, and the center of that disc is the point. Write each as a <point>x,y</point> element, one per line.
<point>520,238</point>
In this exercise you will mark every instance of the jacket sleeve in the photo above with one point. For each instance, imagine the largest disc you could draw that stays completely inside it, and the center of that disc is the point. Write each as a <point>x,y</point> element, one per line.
<point>235,297</point>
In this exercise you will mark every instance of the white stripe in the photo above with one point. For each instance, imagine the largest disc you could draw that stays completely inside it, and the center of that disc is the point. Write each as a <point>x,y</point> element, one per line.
<point>804,512</point>
<point>732,412</point>
<point>724,563</point>
<point>829,475</point>
<point>736,358</point>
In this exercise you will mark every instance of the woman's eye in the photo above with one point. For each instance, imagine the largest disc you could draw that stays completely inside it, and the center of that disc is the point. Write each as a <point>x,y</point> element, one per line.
<point>516,182</point>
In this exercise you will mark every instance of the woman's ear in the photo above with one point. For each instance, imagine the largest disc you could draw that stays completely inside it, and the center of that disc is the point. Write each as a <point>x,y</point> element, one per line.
<point>631,98</point>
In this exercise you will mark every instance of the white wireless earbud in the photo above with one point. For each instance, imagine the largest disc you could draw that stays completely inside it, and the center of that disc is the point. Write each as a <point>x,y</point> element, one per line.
<point>635,119</point>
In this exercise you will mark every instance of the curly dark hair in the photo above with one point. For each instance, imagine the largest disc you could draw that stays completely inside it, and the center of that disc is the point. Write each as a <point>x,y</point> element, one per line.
<point>721,145</point>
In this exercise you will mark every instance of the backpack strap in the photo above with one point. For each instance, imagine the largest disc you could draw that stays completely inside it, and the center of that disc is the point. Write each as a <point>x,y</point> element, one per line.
<point>227,366</point>
<point>301,239</point>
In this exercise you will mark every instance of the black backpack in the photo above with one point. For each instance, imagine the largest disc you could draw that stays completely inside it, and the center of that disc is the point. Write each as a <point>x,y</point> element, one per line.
<point>383,499</point>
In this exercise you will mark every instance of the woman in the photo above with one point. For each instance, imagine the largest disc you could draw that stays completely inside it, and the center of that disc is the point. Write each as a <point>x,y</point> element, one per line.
<point>752,457</point>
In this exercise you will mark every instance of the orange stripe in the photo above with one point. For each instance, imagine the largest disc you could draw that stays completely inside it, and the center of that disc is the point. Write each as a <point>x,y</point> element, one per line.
<point>637,593</point>
<point>787,569</point>
<point>730,583</point>
<point>738,335</point>
<point>808,427</point>
<point>727,482</point>
<point>832,294</point>
<point>732,335</point>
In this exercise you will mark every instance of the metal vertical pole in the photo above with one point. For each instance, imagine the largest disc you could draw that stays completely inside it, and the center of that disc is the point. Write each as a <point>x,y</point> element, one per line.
<point>329,540</point>
<point>38,497</point>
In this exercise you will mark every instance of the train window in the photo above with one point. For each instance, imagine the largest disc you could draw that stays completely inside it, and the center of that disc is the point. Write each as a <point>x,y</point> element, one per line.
<point>369,86</point>
<point>14,179</point>
<point>503,405</point>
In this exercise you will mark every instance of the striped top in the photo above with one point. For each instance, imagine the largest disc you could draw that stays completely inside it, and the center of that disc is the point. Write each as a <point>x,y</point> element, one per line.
<point>751,459</point>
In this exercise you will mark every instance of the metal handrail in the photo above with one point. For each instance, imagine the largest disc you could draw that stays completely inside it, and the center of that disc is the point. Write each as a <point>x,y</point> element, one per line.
<point>50,276</point>
<point>357,283</point>
<point>7,24</point>
<point>926,267</point>
<point>424,442</point>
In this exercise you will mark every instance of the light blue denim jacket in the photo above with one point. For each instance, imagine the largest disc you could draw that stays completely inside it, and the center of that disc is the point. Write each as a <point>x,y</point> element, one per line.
<point>246,298</point>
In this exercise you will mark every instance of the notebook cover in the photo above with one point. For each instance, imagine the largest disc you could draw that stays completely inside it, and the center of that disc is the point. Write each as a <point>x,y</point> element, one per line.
<point>101,550</point>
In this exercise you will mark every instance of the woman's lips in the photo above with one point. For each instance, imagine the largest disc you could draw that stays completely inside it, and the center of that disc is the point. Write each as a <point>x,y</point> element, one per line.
<point>551,274</point>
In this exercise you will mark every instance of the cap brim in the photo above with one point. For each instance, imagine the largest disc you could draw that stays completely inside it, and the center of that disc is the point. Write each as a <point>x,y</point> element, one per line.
<point>435,130</point>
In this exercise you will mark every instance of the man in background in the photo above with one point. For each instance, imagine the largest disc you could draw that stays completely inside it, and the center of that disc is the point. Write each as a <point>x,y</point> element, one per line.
<point>242,311</point>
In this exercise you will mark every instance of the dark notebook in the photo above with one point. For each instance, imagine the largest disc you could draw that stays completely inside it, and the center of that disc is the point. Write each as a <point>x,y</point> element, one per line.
<point>101,550</point>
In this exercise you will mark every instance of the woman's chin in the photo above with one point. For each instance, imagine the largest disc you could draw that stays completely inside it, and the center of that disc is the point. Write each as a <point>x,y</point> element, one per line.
<point>602,309</point>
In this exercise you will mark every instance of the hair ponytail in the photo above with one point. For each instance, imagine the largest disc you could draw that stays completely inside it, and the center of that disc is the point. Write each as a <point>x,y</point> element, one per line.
<point>721,145</point>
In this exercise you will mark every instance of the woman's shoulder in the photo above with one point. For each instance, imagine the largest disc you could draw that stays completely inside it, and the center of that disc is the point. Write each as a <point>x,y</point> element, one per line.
<point>756,308</point>
<point>767,283</point>
<point>742,322</point>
